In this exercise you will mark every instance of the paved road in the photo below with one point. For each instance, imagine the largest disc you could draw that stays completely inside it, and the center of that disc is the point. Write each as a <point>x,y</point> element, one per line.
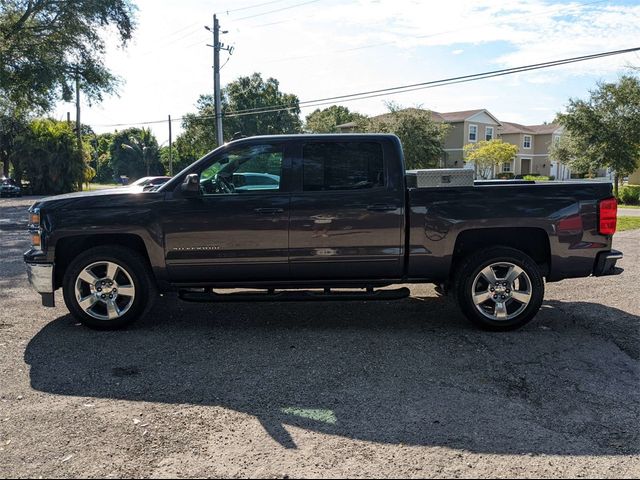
<point>629,212</point>
<point>403,388</point>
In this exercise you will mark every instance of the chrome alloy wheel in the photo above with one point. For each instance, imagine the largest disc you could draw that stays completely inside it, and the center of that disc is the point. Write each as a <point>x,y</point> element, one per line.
<point>501,291</point>
<point>105,290</point>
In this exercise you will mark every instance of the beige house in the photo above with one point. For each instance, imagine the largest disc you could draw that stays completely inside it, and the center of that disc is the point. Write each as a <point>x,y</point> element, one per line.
<point>470,126</point>
<point>533,142</point>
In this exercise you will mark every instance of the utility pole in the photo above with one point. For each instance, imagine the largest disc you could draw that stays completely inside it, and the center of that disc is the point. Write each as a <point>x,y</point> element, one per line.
<point>170,150</point>
<point>78,129</point>
<point>217,46</point>
<point>216,79</point>
<point>95,153</point>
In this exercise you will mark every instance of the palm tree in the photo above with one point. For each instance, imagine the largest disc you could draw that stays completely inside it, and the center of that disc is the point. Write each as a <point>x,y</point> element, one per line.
<point>142,147</point>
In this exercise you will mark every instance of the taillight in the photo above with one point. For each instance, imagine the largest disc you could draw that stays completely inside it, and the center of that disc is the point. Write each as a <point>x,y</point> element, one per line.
<point>608,216</point>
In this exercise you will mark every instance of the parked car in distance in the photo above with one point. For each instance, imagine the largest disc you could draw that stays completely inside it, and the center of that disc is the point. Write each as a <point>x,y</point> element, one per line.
<point>335,212</point>
<point>250,181</point>
<point>9,188</point>
<point>149,183</point>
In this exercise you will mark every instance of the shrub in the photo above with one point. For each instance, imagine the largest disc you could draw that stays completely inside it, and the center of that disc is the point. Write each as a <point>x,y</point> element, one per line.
<point>505,175</point>
<point>49,155</point>
<point>536,178</point>
<point>629,195</point>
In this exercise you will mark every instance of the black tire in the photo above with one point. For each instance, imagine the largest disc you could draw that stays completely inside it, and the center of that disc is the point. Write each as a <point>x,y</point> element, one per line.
<point>468,281</point>
<point>138,272</point>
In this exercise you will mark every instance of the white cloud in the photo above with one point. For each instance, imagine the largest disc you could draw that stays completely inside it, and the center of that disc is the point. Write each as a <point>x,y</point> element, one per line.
<point>331,48</point>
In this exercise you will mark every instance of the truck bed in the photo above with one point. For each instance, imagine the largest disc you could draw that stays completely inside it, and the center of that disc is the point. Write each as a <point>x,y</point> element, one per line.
<point>560,218</point>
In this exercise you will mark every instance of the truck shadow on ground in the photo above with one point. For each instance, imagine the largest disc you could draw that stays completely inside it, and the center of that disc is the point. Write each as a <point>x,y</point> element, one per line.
<point>410,372</point>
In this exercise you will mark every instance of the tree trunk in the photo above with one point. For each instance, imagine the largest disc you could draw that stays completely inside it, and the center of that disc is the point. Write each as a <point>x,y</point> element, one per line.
<point>616,184</point>
<point>17,170</point>
<point>5,167</point>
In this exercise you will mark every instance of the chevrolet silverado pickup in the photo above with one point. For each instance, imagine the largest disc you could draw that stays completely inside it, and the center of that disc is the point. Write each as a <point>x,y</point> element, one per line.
<point>317,217</point>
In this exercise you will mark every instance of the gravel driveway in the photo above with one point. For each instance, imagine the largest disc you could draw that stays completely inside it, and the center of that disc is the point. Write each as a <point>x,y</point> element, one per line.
<point>353,389</point>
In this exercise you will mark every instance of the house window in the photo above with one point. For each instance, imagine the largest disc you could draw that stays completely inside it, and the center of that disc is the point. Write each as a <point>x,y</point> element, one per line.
<point>473,133</point>
<point>527,141</point>
<point>506,167</point>
<point>488,134</point>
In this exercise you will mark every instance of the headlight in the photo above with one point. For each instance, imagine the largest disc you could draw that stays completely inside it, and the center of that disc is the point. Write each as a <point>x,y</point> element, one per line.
<point>34,228</point>
<point>34,218</point>
<point>36,240</point>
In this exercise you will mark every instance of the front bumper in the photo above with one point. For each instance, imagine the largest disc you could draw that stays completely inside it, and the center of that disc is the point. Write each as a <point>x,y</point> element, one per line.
<point>606,263</point>
<point>40,277</point>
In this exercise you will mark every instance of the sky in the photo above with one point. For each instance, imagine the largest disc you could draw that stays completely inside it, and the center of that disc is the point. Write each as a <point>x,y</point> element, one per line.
<point>324,48</point>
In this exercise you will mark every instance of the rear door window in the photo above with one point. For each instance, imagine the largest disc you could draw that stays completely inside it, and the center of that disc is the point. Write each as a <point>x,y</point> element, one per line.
<point>331,166</point>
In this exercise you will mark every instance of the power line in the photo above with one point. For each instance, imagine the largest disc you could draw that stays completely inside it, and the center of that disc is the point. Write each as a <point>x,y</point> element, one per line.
<point>173,41</point>
<point>277,10</point>
<point>175,32</point>
<point>396,90</point>
<point>475,76</point>
<point>252,6</point>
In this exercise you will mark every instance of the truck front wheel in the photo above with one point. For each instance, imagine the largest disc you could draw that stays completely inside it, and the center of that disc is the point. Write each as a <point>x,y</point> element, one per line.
<point>108,287</point>
<point>499,288</point>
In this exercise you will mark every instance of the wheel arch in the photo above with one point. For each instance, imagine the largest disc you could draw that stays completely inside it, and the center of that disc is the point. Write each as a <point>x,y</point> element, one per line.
<point>533,241</point>
<point>67,249</point>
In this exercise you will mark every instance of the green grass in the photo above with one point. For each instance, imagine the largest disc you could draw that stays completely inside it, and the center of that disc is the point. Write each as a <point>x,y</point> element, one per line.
<point>622,205</point>
<point>628,223</point>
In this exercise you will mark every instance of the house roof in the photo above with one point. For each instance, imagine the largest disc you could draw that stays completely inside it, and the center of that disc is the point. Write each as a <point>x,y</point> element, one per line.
<point>544,128</point>
<point>460,116</point>
<point>448,117</point>
<point>504,128</point>
<point>436,117</point>
<point>510,127</point>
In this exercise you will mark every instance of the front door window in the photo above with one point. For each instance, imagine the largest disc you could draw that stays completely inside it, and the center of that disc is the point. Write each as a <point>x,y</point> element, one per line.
<point>253,169</point>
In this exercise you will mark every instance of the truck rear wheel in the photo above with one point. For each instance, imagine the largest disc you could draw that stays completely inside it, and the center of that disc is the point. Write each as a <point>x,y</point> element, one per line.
<point>108,287</point>
<point>499,288</point>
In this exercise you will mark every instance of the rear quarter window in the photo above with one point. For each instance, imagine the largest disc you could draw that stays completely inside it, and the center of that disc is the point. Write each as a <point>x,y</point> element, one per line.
<point>331,166</point>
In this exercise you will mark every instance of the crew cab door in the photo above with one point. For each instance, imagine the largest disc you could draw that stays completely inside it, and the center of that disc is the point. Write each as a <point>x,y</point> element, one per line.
<point>347,213</point>
<point>237,229</point>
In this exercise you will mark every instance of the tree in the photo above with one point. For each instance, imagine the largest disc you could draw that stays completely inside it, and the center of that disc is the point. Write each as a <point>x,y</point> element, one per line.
<point>45,44</point>
<point>143,148</point>
<point>605,129</point>
<point>48,154</point>
<point>422,138</point>
<point>12,123</point>
<point>246,93</point>
<point>101,156</point>
<point>188,147</point>
<point>326,120</point>
<point>134,153</point>
<point>486,154</point>
<point>565,149</point>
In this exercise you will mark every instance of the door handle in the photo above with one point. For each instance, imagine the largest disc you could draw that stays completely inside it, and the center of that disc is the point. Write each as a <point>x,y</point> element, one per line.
<point>268,211</point>
<point>381,208</point>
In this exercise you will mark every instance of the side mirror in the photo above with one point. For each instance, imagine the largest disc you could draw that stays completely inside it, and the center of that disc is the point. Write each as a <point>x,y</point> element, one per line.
<point>191,185</point>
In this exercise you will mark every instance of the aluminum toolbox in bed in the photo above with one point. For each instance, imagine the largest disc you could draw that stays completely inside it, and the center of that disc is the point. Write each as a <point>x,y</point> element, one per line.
<point>440,177</point>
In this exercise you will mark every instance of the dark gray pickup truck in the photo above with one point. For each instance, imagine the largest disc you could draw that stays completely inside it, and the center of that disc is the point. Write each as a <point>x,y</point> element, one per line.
<point>317,217</point>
